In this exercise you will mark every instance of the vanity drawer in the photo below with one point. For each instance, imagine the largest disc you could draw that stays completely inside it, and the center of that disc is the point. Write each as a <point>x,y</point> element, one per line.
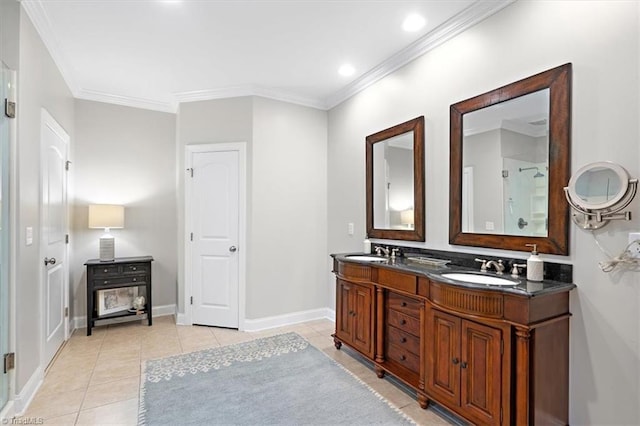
<point>397,280</point>
<point>403,357</point>
<point>354,272</point>
<point>403,322</point>
<point>403,339</point>
<point>474,302</point>
<point>403,304</point>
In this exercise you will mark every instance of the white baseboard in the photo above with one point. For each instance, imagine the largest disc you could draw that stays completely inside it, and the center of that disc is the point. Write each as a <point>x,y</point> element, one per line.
<point>23,399</point>
<point>182,319</point>
<point>7,413</point>
<point>288,319</point>
<point>158,311</point>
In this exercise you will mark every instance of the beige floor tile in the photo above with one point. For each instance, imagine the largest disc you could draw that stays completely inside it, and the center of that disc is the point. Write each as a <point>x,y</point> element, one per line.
<point>423,417</point>
<point>55,405</point>
<point>114,370</point>
<point>65,380</point>
<point>66,420</point>
<point>119,413</point>
<point>108,393</point>
<point>95,379</point>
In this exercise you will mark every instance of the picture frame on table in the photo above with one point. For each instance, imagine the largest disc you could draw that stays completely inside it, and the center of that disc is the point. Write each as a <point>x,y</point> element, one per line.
<point>115,300</point>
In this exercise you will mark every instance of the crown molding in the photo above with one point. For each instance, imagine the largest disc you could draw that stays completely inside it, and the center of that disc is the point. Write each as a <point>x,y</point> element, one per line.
<point>94,95</point>
<point>472,15</point>
<point>36,12</point>
<point>248,90</point>
<point>464,20</point>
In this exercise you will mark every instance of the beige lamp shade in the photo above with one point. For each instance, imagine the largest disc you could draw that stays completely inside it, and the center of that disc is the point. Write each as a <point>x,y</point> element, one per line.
<point>406,217</point>
<point>106,216</point>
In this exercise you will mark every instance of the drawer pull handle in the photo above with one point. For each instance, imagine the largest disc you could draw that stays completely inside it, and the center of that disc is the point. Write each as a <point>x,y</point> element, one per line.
<point>106,270</point>
<point>134,268</point>
<point>455,361</point>
<point>106,282</point>
<point>403,340</point>
<point>135,279</point>
<point>403,304</point>
<point>403,321</point>
<point>403,357</point>
<point>463,365</point>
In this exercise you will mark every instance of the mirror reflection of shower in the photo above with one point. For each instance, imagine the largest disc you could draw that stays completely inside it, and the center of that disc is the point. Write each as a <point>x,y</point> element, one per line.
<point>537,175</point>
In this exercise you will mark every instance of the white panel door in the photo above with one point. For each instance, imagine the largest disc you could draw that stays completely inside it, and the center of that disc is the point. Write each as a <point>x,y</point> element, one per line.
<point>53,229</point>
<point>214,218</point>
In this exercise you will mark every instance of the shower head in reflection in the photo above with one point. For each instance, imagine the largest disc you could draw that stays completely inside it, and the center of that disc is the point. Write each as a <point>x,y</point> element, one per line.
<point>537,175</point>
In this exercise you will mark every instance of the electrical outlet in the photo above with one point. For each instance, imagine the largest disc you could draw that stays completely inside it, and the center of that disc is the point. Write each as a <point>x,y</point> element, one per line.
<point>634,240</point>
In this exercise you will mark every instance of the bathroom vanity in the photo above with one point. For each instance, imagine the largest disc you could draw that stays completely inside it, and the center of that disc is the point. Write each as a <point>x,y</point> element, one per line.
<point>492,354</point>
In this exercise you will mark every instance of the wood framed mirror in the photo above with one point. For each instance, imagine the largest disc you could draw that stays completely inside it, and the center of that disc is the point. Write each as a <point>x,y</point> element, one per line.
<point>395,182</point>
<point>509,164</point>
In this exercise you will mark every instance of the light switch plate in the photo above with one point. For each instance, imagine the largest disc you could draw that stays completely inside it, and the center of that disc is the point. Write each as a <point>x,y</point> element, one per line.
<point>29,235</point>
<point>350,228</point>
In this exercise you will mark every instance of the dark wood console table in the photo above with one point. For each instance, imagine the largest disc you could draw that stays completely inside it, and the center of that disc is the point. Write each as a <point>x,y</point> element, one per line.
<point>104,278</point>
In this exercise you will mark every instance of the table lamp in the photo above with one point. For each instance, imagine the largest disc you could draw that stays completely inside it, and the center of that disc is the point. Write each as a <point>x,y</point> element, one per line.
<point>406,218</point>
<point>106,216</point>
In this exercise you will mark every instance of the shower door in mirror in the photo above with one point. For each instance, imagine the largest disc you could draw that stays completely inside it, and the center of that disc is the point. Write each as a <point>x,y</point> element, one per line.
<point>506,149</point>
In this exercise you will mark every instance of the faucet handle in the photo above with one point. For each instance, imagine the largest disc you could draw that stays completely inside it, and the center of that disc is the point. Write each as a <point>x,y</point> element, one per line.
<point>396,252</point>
<point>483,267</point>
<point>514,270</point>
<point>378,250</point>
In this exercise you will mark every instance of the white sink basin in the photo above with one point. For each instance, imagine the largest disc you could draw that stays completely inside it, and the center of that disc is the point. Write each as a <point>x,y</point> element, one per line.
<point>478,279</point>
<point>367,258</point>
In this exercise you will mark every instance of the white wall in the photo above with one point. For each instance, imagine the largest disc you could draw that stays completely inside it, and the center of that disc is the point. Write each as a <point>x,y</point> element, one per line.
<point>601,40</point>
<point>126,156</point>
<point>39,85</point>
<point>286,197</point>
<point>288,253</point>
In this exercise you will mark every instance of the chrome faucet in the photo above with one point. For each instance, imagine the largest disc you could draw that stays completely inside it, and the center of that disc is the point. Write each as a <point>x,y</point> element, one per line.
<point>379,250</point>
<point>498,265</point>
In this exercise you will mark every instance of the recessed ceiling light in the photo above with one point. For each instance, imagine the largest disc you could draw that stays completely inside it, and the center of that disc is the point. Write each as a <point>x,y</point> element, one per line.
<point>346,70</point>
<point>413,22</point>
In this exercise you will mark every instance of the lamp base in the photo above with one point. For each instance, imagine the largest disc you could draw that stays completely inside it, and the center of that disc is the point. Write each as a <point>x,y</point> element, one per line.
<point>107,249</point>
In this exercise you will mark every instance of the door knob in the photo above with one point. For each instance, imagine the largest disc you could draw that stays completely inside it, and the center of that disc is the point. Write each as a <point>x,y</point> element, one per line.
<point>48,261</point>
<point>233,249</point>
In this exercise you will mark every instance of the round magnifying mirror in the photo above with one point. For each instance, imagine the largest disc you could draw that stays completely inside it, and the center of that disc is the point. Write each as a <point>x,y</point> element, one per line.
<point>598,186</point>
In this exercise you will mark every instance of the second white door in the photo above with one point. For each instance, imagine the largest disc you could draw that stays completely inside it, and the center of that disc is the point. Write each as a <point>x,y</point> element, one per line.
<point>213,216</point>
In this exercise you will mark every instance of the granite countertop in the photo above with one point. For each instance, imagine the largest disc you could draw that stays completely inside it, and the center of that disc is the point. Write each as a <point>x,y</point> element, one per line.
<point>521,286</point>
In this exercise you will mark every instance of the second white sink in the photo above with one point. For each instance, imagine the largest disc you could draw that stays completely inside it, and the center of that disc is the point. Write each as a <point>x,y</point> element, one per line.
<point>478,279</point>
<point>367,258</point>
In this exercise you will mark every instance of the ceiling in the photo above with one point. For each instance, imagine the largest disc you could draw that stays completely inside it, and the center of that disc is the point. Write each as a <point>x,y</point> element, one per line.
<point>155,54</point>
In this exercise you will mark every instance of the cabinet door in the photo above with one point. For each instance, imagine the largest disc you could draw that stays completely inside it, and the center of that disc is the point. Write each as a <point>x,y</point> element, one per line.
<point>362,298</point>
<point>344,317</point>
<point>481,372</point>
<point>443,356</point>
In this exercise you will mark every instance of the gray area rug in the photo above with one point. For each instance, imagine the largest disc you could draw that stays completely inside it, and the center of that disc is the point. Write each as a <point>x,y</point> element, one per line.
<point>280,380</point>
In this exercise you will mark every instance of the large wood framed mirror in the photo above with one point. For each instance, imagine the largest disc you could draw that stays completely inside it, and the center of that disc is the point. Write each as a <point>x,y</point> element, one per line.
<point>509,164</point>
<point>395,182</point>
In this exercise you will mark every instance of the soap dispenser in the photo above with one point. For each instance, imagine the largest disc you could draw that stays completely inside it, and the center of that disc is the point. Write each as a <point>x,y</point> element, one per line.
<point>367,246</point>
<point>535,265</point>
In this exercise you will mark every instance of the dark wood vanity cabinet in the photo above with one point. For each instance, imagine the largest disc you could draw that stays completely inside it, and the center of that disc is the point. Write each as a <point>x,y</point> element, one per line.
<point>465,366</point>
<point>491,357</point>
<point>354,322</point>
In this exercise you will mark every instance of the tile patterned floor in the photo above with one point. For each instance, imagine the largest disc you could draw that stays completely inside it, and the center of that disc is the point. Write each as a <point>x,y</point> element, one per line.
<point>95,380</point>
